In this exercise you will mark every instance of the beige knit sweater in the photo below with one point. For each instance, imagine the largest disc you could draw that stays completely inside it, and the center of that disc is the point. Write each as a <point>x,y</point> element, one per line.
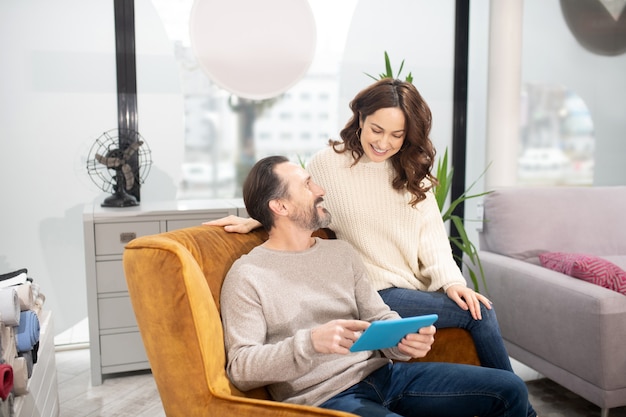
<point>272,299</point>
<point>401,246</point>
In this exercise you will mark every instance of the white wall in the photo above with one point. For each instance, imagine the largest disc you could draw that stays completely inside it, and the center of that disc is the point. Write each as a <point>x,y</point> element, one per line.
<point>57,95</point>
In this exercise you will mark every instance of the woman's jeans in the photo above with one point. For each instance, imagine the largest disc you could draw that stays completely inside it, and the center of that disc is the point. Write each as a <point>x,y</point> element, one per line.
<point>432,389</point>
<point>486,332</point>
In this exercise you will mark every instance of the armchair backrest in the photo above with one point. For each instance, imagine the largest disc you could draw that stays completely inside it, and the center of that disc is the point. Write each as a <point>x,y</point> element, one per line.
<point>174,282</point>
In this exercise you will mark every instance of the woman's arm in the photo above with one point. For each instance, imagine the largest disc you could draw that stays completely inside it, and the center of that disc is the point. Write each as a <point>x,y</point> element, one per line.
<point>235,224</point>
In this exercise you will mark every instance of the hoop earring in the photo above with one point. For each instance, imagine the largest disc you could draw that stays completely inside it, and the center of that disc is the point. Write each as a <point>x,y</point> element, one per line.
<point>358,133</point>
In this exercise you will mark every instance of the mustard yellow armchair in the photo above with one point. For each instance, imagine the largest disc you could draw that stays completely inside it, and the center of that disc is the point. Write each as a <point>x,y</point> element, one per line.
<point>174,281</point>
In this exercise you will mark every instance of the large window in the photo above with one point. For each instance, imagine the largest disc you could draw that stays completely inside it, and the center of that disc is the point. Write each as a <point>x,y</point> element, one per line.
<point>561,127</point>
<point>573,65</point>
<point>557,137</point>
<point>226,134</point>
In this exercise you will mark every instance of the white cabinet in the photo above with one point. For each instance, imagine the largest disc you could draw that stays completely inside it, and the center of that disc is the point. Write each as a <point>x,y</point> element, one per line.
<point>114,340</point>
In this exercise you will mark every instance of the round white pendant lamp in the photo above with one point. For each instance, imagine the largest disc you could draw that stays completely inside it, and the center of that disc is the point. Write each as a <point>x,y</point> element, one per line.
<point>255,49</point>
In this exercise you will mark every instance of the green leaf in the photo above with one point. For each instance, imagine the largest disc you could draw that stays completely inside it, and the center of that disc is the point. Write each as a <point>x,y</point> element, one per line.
<point>388,66</point>
<point>372,77</point>
<point>400,70</point>
<point>445,182</point>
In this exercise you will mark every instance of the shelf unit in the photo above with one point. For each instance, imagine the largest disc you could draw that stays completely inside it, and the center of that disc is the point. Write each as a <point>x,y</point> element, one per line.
<point>42,399</point>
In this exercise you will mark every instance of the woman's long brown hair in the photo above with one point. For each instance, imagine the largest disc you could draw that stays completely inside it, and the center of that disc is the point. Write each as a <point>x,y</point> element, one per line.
<point>415,160</point>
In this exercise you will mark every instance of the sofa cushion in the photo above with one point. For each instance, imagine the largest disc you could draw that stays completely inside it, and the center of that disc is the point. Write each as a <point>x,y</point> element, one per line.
<point>522,222</point>
<point>619,260</point>
<point>589,268</point>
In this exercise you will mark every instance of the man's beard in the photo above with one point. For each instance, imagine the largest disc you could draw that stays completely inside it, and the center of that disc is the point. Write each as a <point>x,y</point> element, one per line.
<point>312,220</point>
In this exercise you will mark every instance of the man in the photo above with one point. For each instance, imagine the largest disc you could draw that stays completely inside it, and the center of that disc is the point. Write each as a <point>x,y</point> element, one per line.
<point>293,306</point>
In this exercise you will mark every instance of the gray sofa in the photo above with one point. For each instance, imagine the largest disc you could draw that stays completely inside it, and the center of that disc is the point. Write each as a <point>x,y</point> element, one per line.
<point>569,330</point>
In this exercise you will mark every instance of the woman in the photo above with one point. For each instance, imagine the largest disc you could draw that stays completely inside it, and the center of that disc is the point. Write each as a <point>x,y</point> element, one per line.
<point>378,184</point>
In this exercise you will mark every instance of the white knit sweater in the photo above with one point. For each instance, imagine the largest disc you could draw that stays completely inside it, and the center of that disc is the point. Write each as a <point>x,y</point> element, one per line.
<point>401,246</point>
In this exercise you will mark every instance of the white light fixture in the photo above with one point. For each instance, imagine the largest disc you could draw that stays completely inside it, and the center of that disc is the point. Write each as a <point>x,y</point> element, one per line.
<point>251,48</point>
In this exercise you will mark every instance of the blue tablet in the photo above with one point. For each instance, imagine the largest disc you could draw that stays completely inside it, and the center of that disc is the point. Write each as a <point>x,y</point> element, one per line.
<point>388,333</point>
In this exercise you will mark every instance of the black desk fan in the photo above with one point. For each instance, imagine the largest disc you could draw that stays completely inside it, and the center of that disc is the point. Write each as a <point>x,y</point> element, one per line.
<point>119,166</point>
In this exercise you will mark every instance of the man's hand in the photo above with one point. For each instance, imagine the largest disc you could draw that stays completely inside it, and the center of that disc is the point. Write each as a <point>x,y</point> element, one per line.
<point>337,336</point>
<point>417,345</point>
<point>235,224</point>
<point>468,299</point>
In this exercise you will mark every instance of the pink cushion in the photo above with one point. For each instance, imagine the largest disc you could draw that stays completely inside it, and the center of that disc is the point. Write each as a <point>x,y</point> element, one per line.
<point>589,268</point>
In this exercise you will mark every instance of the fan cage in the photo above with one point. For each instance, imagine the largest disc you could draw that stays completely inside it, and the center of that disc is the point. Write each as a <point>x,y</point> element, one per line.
<point>106,178</point>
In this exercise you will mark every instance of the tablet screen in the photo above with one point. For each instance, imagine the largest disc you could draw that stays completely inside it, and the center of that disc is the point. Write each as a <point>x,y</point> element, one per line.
<point>388,333</point>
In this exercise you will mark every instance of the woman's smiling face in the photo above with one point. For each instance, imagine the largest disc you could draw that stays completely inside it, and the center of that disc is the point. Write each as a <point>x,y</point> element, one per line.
<point>382,133</point>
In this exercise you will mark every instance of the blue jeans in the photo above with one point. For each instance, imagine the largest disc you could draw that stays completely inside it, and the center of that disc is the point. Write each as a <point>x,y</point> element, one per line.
<point>486,332</point>
<point>432,389</point>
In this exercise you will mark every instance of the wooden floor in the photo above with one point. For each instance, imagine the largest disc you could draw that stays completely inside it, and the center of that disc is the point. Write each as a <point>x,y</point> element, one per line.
<point>130,395</point>
<point>135,394</point>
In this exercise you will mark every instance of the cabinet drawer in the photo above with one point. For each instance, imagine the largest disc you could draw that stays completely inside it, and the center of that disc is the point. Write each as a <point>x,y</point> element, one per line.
<point>175,224</point>
<point>122,348</point>
<point>110,276</point>
<point>182,224</point>
<point>116,312</point>
<point>112,237</point>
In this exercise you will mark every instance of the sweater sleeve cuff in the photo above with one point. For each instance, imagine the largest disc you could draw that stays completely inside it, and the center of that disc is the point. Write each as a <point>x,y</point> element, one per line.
<point>450,284</point>
<point>395,354</point>
<point>303,345</point>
